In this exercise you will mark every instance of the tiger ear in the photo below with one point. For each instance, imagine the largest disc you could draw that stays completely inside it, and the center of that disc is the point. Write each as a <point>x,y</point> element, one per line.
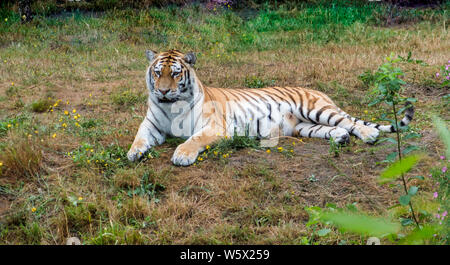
<point>190,58</point>
<point>150,55</point>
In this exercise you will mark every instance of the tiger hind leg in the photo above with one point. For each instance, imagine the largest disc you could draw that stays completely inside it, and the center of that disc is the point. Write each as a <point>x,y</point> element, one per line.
<point>339,135</point>
<point>363,132</point>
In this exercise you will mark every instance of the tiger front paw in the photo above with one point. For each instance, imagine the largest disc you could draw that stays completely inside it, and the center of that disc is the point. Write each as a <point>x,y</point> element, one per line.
<point>184,155</point>
<point>138,148</point>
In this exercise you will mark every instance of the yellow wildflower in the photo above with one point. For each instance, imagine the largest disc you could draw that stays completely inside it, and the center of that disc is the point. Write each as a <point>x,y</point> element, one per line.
<point>268,151</point>
<point>280,149</point>
<point>54,135</point>
<point>33,209</point>
<point>74,110</point>
<point>80,198</point>
<point>66,112</point>
<point>207,147</point>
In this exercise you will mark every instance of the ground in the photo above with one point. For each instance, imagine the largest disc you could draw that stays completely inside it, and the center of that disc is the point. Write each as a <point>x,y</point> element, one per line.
<point>66,175</point>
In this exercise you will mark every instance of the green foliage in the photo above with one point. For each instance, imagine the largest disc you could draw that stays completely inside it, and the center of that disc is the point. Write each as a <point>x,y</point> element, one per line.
<point>388,83</point>
<point>361,223</point>
<point>443,132</point>
<point>8,124</point>
<point>128,98</point>
<point>335,148</point>
<point>387,87</point>
<point>256,82</point>
<point>105,159</point>
<point>420,235</point>
<point>227,145</point>
<point>117,234</point>
<point>42,105</point>
<point>148,187</point>
<point>399,168</point>
<point>444,75</point>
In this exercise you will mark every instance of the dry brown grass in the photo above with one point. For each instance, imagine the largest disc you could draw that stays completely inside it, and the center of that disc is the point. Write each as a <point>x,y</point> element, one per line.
<point>22,159</point>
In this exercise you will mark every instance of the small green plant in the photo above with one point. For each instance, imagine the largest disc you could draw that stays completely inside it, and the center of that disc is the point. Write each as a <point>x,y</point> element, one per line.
<point>148,188</point>
<point>127,98</point>
<point>256,82</point>
<point>229,144</point>
<point>42,105</point>
<point>106,159</point>
<point>12,91</point>
<point>8,124</point>
<point>444,75</point>
<point>409,59</point>
<point>335,148</point>
<point>387,88</point>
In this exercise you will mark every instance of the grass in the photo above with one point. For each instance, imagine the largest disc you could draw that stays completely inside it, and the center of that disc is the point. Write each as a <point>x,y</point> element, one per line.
<point>91,65</point>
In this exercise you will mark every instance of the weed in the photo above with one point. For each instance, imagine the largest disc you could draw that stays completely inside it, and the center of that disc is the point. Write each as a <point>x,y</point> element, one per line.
<point>444,75</point>
<point>128,98</point>
<point>227,145</point>
<point>256,82</point>
<point>117,234</point>
<point>148,187</point>
<point>105,159</point>
<point>42,105</point>
<point>335,148</point>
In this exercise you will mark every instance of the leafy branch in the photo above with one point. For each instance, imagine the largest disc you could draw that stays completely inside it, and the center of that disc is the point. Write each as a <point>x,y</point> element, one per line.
<point>387,88</point>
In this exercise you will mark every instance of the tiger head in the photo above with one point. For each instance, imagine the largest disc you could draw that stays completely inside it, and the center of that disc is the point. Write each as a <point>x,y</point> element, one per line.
<point>170,75</point>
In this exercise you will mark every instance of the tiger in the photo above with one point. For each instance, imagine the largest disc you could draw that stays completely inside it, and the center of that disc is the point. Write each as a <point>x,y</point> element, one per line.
<point>208,114</point>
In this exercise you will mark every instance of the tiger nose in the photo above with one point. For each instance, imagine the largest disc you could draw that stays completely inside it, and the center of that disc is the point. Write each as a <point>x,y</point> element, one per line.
<point>164,92</point>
